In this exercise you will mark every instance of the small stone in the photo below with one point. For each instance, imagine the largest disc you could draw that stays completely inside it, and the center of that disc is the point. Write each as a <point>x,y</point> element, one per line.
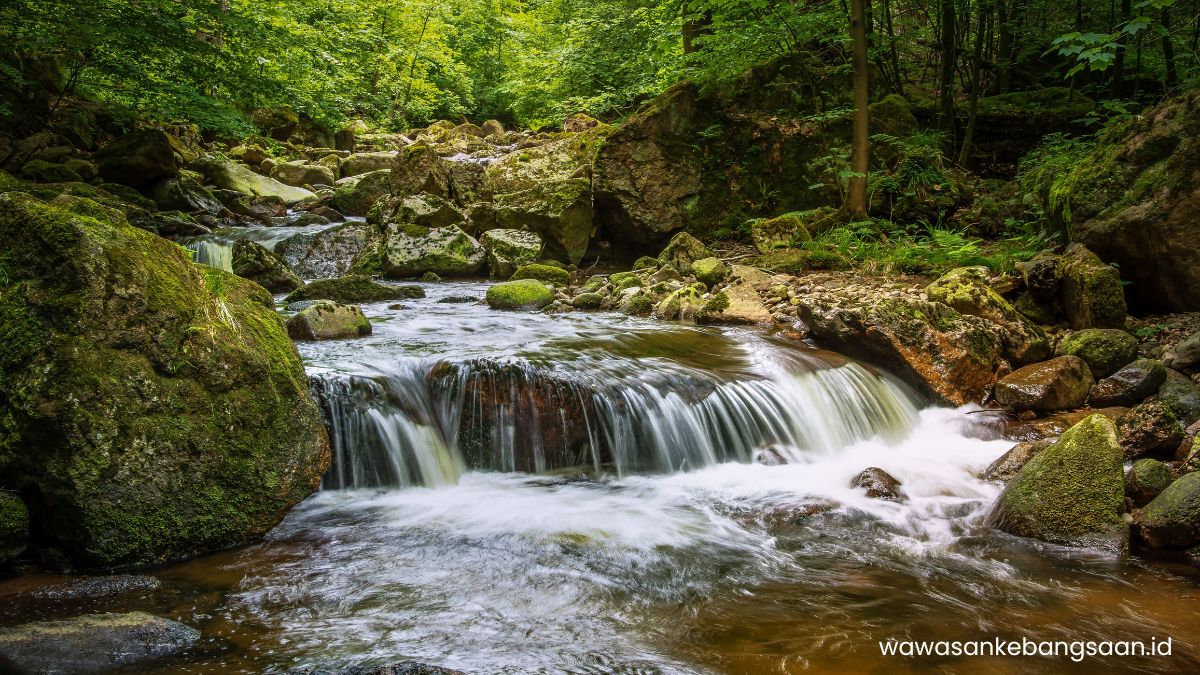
<point>1145,480</point>
<point>328,320</point>
<point>879,484</point>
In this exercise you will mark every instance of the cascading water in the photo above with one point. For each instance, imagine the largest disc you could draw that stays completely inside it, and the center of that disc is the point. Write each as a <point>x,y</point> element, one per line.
<point>216,249</point>
<point>216,253</point>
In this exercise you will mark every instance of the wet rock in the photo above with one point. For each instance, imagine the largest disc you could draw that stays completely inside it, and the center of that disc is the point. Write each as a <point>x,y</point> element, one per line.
<point>1145,480</point>
<point>98,587</point>
<point>1105,350</point>
<point>509,249</point>
<point>422,209</point>
<point>1149,427</point>
<point>544,273</point>
<point>126,348</point>
<point>587,301</point>
<point>93,642</point>
<point>324,254</point>
<point>1054,425</point>
<point>966,290</point>
<point>417,169</point>
<point>1071,493</point>
<point>14,526</point>
<point>1172,519</point>
<point>367,162</point>
<point>457,300</point>
<point>354,289</point>
<point>879,484</point>
<point>237,177</point>
<point>177,194</point>
<point>1058,384</point>
<point>41,171</point>
<point>1092,294</point>
<point>1041,277</point>
<point>255,262</point>
<point>411,250</point>
<point>327,320</point>
<point>261,208</point>
<point>136,159</point>
<point>1130,385</point>
<point>782,232</point>
<point>737,303</point>
<point>300,173</point>
<point>356,196</point>
<point>561,212</point>
<point>682,251</point>
<point>522,294</point>
<point>710,271</point>
<point>1185,355</point>
<point>682,304</point>
<point>1181,396</point>
<point>1008,464</point>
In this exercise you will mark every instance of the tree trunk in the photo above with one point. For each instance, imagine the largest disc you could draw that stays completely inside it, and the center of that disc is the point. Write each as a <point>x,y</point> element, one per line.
<point>946,80</point>
<point>976,74</point>
<point>893,53</point>
<point>1169,50</point>
<point>856,202</point>
<point>694,25</point>
<point>1004,47</point>
<point>1118,71</point>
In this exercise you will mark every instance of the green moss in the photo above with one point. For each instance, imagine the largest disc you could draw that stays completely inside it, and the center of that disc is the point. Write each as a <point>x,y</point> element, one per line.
<point>587,301</point>
<point>1105,350</point>
<point>640,304</point>
<point>520,294</point>
<point>544,273</point>
<point>716,304</point>
<point>1172,519</point>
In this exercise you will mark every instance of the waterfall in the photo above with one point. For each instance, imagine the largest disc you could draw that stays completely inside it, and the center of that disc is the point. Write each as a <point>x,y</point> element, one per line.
<point>216,253</point>
<point>424,422</point>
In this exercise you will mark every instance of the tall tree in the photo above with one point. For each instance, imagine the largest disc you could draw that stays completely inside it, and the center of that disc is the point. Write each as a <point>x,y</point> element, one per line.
<point>856,203</point>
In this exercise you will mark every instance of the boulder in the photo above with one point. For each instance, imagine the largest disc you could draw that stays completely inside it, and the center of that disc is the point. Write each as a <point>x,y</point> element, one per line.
<point>14,526</point>
<point>1058,384</point>
<point>737,303</point>
<point>1105,350</point>
<point>879,484</point>
<point>682,251</point>
<point>237,177</point>
<point>328,320</point>
<point>1149,427</point>
<point>561,212</point>
<point>255,262</point>
<point>325,254</point>
<point>1072,493</point>
<point>468,129</point>
<point>261,209</point>
<point>423,209</point>
<point>252,155</point>
<point>177,194</point>
<point>356,196</point>
<point>682,304</point>
<point>523,294</point>
<point>784,231</point>
<point>1130,385</point>
<point>154,408</point>
<point>137,159</point>
<point>367,162</point>
<point>411,250</point>
<point>544,273</point>
<point>278,123</point>
<point>300,173</point>
<point>353,290</point>
<point>966,290</point>
<point>587,300</point>
<point>41,171</point>
<point>418,168</point>
<point>1008,464</point>
<point>492,128</point>
<point>1185,355</point>
<point>559,160</point>
<point>1172,519</point>
<point>711,271</point>
<point>509,249</point>
<point>92,642</point>
<point>1145,480</point>
<point>1181,396</point>
<point>1092,295</point>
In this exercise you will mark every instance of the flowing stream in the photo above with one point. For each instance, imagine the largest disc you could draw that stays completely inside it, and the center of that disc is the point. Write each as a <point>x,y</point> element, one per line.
<point>595,493</point>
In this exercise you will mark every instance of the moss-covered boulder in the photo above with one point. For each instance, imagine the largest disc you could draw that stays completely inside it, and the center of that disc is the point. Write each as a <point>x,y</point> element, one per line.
<point>682,304</point>
<point>259,264</point>
<point>1092,295</point>
<point>300,173</point>
<point>1130,385</point>
<point>155,408</point>
<point>544,273</point>
<point>136,159</point>
<point>781,232</point>
<point>1182,396</point>
<point>237,177</point>
<point>92,643</point>
<point>14,526</point>
<point>966,290</point>
<point>1072,493</point>
<point>682,251</point>
<point>366,162</point>
<point>418,168</point>
<point>561,212</point>
<point>421,209</point>
<point>1145,480</point>
<point>354,289</point>
<point>587,300</point>
<point>1008,464</point>
<point>561,159</point>
<point>178,194</point>
<point>509,249</point>
<point>737,303</point>
<point>1058,384</point>
<point>1172,519</point>
<point>522,294</point>
<point>1185,354</point>
<point>1149,427</point>
<point>711,271</point>
<point>411,250</point>
<point>1105,350</point>
<point>356,196</point>
<point>328,320</point>
<point>41,171</point>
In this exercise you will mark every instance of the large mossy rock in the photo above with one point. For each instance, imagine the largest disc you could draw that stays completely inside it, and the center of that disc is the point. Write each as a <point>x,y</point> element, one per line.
<point>1072,493</point>
<point>1182,396</point>
<point>411,250</point>
<point>1105,350</point>
<point>136,159</point>
<point>1172,519</point>
<point>509,249</point>
<point>544,273</point>
<point>421,209</point>
<point>1058,384</point>
<point>367,162</point>
<point>355,196</point>
<point>522,294</point>
<point>682,251</point>
<point>354,290</point>
<point>239,178</point>
<point>561,212</point>
<point>301,173</point>
<point>779,232</point>
<point>178,194</point>
<point>525,169</point>
<point>328,320</point>
<point>1092,295</point>
<point>417,169</point>
<point>257,263</point>
<point>1135,201</point>
<point>155,407</point>
<point>966,290</point>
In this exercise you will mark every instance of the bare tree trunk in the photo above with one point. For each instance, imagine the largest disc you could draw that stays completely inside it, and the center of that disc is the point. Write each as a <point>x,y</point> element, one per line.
<point>946,80</point>
<point>1118,71</point>
<point>694,25</point>
<point>856,203</point>
<point>985,12</point>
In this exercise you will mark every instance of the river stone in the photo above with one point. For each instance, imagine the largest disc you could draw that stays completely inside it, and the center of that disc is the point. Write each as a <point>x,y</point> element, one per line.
<point>93,642</point>
<point>1041,277</point>
<point>522,294</point>
<point>356,196</point>
<point>136,159</point>
<point>366,162</point>
<point>1057,384</point>
<point>1093,296</point>
<point>115,348</point>
<point>561,212</point>
<point>262,208</point>
<point>709,271</point>
<point>98,587</point>
<point>418,168</point>
<point>1181,396</point>
<point>1172,519</point>
<point>681,304</point>
<point>737,303</point>
<point>324,254</point>
<point>1008,464</point>
<point>544,273</point>
<point>587,300</point>
<point>41,171</point>
<point>403,668</point>
<point>411,250</point>
<point>328,320</point>
<point>301,173</point>
<point>255,262</point>
<point>421,209</point>
<point>682,251</point>
<point>1145,480</point>
<point>14,526</point>
<point>1105,350</point>
<point>1148,427</point>
<point>354,289</point>
<point>177,194</point>
<point>1185,355</point>
<point>966,290</point>
<point>1130,385</point>
<point>509,249</point>
<point>526,168</point>
<point>1072,493</point>
<point>879,484</point>
<point>237,177</point>
<point>769,234</point>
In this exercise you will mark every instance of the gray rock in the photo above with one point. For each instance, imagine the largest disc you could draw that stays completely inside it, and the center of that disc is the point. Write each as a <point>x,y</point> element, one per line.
<point>1057,384</point>
<point>1130,385</point>
<point>879,484</point>
<point>1185,355</point>
<point>327,320</point>
<point>1008,464</point>
<point>1181,396</point>
<point>94,642</point>
<point>98,587</point>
